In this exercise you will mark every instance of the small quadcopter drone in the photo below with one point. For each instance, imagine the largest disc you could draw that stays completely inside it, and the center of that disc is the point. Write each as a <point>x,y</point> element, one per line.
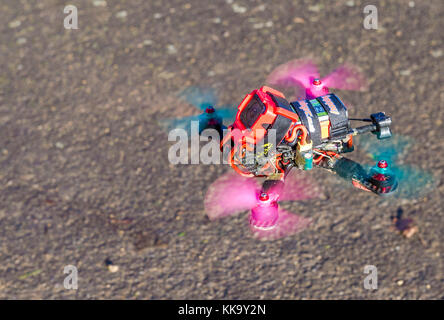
<point>270,136</point>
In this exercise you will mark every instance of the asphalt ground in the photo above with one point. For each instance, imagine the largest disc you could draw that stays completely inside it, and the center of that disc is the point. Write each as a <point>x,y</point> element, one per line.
<point>85,178</point>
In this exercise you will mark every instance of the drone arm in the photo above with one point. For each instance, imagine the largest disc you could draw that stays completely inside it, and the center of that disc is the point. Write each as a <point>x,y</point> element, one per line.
<point>349,170</point>
<point>275,185</point>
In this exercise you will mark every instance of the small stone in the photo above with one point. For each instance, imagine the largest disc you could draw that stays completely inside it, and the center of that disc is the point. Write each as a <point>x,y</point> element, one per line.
<point>15,24</point>
<point>269,24</point>
<point>411,4</point>
<point>409,232</point>
<point>147,42</point>
<point>21,41</point>
<point>217,20</point>
<point>298,20</point>
<point>157,15</point>
<point>436,53</point>
<point>412,42</point>
<point>350,3</point>
<point>356,234</point>
<point>27,177</point>
<point>59,145</point>
<point>211,73</point>
<point>166,75</point>
<point>261,7</point>
<point>406,72</point>
<point>121,14</point>
<point>428,286</point>
<point>171,49</point>
<point>259,25</point>
<point>315,8</point>
<point>113,268</point>
<point>99,3</point>
<point>400,282</point>
<point>238,9</point>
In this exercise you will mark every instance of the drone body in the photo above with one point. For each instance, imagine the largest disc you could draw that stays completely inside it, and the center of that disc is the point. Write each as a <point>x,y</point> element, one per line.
<point>271,137</point>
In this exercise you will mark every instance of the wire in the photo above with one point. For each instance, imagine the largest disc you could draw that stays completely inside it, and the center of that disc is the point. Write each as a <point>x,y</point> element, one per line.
<point>356,119</point>
<point>321,154</point>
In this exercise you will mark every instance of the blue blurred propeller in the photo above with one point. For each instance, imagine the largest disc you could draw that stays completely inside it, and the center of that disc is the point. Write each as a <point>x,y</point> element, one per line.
<point>204,99</point>
<point>412,182</point>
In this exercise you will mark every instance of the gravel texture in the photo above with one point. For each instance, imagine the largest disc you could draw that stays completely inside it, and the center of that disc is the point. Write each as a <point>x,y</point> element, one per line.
<point>85,179</point>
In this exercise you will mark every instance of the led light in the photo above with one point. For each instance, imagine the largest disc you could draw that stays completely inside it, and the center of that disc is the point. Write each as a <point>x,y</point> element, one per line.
<point>382,164</point>
<point>264,196</point>
<point>209,110</point>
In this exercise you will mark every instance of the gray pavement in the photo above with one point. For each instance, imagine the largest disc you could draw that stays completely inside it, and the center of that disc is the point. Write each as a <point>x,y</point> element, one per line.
<point>84,176</point>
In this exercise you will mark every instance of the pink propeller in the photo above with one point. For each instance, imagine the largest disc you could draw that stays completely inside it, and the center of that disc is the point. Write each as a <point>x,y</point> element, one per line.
<point>287,224</point>
<point>232,193</point>
<point>303,76</point>
<point>345,77</point>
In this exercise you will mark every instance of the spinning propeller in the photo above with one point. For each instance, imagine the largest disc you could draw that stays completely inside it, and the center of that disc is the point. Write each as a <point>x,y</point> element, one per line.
<point>303,76</point>
<point>412,182</point>
<point>206,101</point>
<point>232,194</point>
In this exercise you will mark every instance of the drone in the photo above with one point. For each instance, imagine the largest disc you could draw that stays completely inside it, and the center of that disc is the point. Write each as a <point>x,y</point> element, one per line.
<point>271,137</point>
